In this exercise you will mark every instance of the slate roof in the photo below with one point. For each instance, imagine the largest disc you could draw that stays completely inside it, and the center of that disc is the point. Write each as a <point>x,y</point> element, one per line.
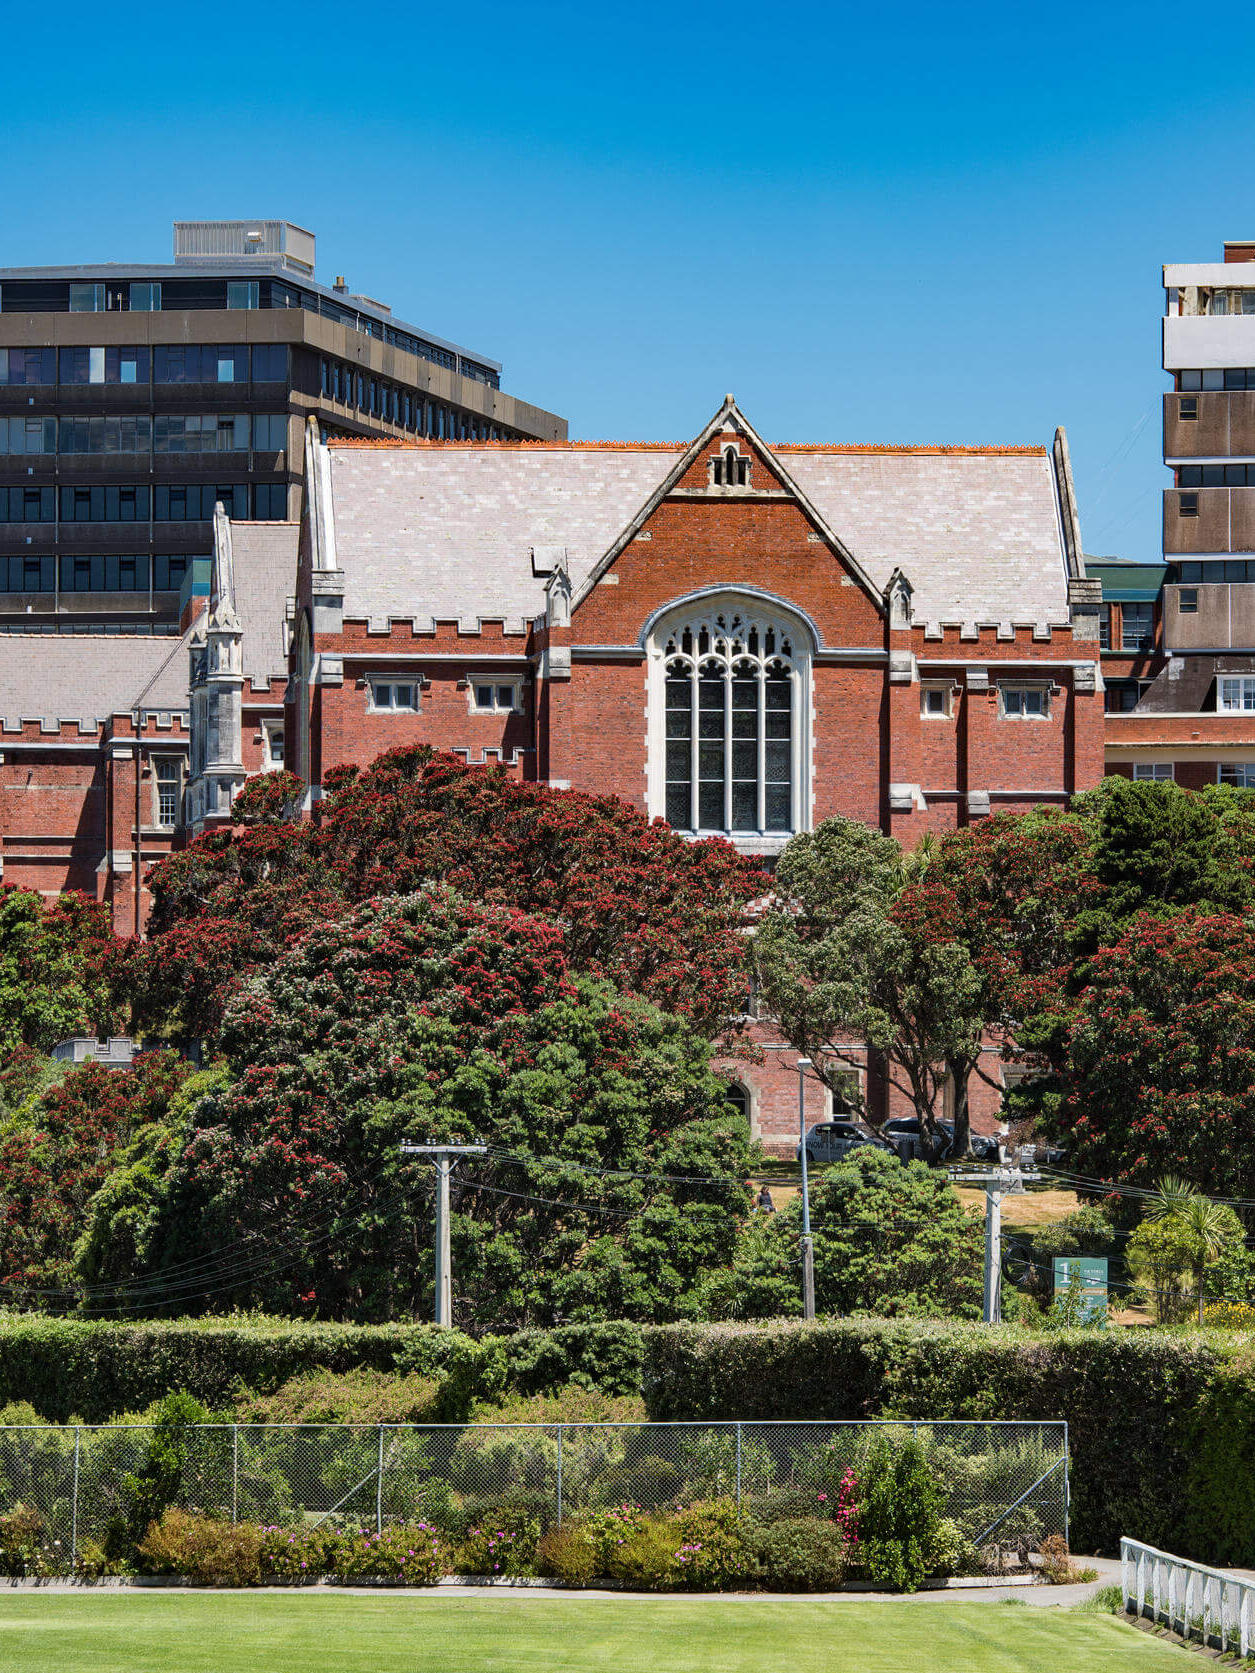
<point>265,578</point>
<point>85,678</point>
<point>448,532</point>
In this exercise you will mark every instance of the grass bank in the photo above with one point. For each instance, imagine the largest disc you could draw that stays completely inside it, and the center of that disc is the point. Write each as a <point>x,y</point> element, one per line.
<point>167,1632</point>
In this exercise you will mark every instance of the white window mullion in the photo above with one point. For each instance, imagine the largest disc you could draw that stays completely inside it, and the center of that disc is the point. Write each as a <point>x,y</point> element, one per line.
<point>761,760</point>
<point>727,746</point>
<point>695,721</point>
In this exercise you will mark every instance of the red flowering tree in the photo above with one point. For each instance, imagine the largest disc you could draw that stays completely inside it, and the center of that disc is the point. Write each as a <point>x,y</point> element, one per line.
<point>431,1017</point>
<point>56,1153</point>
<point>1160,1057</point>
<point>652,912</point>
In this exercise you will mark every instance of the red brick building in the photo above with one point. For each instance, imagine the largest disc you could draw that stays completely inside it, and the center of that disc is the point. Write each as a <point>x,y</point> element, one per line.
<point>745,639</point>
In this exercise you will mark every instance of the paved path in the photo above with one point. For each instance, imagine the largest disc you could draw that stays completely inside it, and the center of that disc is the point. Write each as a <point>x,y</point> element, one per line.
<point>1039,1597</point>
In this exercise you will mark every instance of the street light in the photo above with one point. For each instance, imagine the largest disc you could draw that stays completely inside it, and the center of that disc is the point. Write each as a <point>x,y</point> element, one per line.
<point>444,1156</point>
<point>808,1244</point>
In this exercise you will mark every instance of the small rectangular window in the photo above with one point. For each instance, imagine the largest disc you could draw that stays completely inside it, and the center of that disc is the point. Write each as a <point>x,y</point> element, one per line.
<point>145,298</point>
<point>1213,379</point>
<point>1025,702</point>
<point>1187,406</point>
<point>935,701</point>
<point>241,293</point>
<point>1152,772</point>
<point>272,739</point>
<point>391,696</point>
<point>1236,696</point>
<point>1240,774</point>
<point>1187,601</point>
<point>1187,505</point>
<point>1191,380</point>
<point>493,699</point>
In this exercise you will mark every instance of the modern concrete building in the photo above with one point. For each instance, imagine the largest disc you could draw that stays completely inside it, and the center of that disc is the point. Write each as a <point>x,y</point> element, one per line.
<point>1184,707</point>
<point>134,397</point>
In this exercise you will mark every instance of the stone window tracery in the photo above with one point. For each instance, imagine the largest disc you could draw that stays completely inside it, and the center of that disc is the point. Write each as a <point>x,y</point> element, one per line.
<point>733,699</point>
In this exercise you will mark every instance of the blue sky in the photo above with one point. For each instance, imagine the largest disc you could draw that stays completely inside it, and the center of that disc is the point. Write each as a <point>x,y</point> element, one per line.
<point>924,224</point>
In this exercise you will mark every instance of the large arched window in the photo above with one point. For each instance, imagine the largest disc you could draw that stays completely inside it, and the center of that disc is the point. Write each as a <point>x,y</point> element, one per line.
<point>735,696</point>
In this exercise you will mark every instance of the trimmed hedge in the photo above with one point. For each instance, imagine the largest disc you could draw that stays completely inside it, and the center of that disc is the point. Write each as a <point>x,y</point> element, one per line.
<point>70,1368</point>
<point>1135,1402</point>
<point>1161,1424</point>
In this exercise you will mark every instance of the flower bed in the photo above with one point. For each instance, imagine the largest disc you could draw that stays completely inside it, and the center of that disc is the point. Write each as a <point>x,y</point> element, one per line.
<point>877,1524</point>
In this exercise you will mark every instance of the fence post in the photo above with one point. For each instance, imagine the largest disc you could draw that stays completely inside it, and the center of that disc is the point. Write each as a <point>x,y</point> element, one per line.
<point>74,1506</point>
<point>559,1472</point>
<point>738,1469</point>
<point>235,1472</point>
<point>1067,1490</point>
<point>379,1487</point>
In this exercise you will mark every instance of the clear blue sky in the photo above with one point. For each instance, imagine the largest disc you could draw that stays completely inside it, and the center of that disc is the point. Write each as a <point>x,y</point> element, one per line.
<point>903,223</point>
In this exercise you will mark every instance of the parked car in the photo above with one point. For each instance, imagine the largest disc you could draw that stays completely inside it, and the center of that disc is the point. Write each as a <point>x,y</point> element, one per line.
<point>904,1134</point>
<point>830,1141</point>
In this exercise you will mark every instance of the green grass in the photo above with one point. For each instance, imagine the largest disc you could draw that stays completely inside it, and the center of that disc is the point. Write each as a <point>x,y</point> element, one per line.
<point>169,1632</point>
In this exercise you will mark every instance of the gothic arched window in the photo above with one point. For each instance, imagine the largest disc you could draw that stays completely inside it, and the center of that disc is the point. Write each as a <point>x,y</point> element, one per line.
<point>733,698</point>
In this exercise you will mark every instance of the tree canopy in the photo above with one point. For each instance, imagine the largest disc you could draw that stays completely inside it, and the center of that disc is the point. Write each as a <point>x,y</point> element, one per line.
<point>616,1169</point>
<point>636,903</point>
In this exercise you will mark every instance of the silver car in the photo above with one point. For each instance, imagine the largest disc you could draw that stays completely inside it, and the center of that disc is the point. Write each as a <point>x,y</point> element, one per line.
<point>830,1141</point>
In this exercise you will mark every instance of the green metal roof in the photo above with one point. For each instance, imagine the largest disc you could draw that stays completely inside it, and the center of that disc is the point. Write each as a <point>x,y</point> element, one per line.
<point>1133,583</point>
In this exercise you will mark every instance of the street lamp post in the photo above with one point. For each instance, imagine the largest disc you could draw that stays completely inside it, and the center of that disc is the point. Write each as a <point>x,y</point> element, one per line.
<point>808,1243</point>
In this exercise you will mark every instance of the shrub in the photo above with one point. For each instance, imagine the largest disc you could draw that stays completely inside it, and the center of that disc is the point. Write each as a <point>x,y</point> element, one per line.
<point>360,1396</point>
<point>604,1355</point>
<point>202,1549</point>
<point>27,1551</point>
<point>566,1553</point>
<point>897,1513</point>
<point>710,1553</point>
<point>949,1551</point>
<point>505,1544</point>
<point>158,1481</point>
<point>296,1556</point>
<point>646,1559</point>
<point>1132,1400</point>
<point>797,1554</point>
<point>1056,1563</point>
<point>410,1555</point>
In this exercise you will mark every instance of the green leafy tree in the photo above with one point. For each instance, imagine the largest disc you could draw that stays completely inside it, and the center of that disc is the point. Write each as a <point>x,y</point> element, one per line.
<point>892,1238</point>
<point>50,956</point>
<point>839,971</point>
<point>1205,1230</point>
<point>615,1179</point>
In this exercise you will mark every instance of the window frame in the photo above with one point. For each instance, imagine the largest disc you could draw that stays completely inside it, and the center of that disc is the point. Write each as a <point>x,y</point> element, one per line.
<point>270,729</point>
<point>1246,768</point>
<point>1021,689</point>
<point>161,784</point>
<point>729,617</point>
<point>1154,772</point>
<point>1245,684</point>
<point>938,688</point>
<point>496,687</point>
<point>375,683</point>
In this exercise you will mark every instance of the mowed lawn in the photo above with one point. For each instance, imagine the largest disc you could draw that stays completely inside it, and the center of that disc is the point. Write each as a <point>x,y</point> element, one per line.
<point>168,1632</point>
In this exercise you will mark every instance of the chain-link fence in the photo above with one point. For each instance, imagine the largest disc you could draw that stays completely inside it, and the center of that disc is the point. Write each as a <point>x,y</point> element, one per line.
<point>999,1482</point>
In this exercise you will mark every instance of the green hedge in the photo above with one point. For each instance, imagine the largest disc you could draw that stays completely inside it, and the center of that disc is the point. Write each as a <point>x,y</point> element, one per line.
<point>1135,1402</point>
<point>1161,1424</point>
<point>94,1371</point>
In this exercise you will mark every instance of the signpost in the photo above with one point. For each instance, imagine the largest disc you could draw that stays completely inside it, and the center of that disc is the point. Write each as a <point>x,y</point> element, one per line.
<point>1085,1276</point>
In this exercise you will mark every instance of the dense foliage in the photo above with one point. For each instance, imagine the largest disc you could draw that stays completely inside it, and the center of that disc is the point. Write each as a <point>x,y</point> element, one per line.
<point>51,979</point>
<point>636,903</point>
<point>429,1017</point>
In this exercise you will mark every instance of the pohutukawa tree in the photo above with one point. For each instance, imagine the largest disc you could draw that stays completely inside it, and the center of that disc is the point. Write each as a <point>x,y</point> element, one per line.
<point>615,1178</point>
<point>635,903</point>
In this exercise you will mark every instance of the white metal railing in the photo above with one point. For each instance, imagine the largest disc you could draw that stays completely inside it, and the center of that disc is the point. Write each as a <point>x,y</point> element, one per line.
<point>1209,1604</point>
